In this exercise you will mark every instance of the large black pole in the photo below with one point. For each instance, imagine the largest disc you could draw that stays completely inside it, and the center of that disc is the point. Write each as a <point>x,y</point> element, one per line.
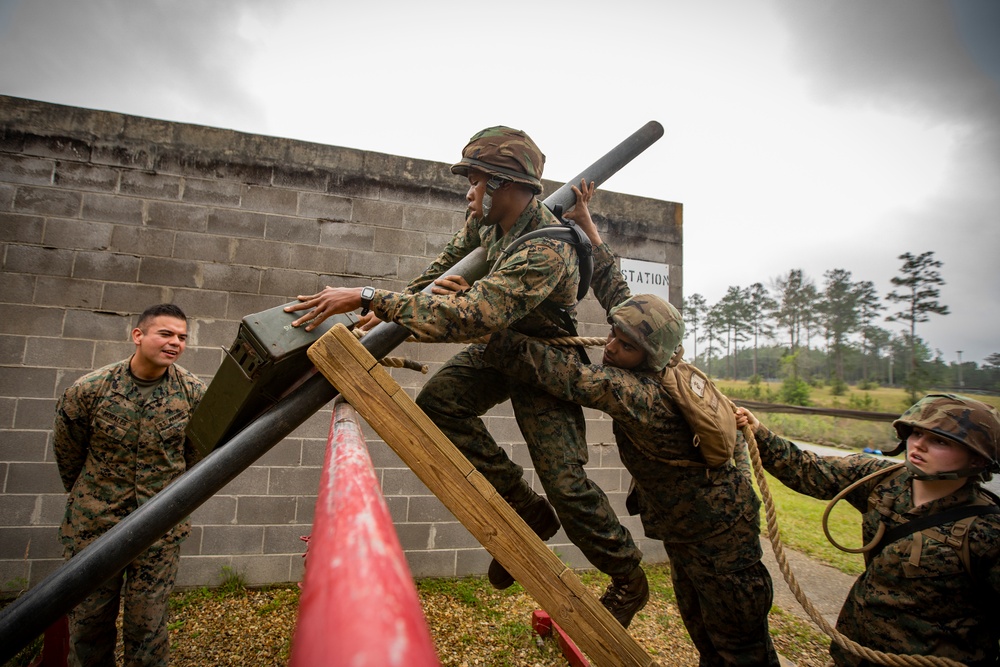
<point>28,616</point>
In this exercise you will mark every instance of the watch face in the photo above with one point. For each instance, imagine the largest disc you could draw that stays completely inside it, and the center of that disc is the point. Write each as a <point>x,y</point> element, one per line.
<point>368,293</point>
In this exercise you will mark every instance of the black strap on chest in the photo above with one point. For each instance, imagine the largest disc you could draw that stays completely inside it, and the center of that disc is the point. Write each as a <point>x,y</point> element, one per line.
<point>929,521</point>
<point>569,232</point>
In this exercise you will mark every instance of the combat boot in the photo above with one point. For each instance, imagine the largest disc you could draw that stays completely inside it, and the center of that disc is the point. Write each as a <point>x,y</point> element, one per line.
<point>540,517</point>
<point>626,595</point>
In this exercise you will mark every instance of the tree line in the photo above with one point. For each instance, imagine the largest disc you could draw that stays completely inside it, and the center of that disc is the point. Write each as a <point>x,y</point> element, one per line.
<point>832,333</point>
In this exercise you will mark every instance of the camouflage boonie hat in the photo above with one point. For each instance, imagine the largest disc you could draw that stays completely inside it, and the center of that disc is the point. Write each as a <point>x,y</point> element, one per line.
<point>503,151</point>
<point>653,324</point>
<point>965,420</point>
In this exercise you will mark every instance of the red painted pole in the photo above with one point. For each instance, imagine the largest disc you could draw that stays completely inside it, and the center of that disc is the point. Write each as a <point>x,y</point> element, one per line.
<point>359,606</point>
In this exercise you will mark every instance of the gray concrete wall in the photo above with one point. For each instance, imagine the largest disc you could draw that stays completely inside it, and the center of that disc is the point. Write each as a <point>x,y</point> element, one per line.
<point>102,214</point>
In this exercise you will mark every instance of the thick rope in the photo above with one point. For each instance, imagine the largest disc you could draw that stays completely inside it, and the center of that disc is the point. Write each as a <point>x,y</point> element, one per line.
<point>779,554</point>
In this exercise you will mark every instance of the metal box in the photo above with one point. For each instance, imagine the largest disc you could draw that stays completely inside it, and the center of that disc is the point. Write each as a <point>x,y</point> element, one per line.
<point>267,360</point>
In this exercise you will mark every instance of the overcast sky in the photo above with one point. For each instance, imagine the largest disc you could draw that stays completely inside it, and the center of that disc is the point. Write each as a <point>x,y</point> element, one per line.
<point>800,134</point>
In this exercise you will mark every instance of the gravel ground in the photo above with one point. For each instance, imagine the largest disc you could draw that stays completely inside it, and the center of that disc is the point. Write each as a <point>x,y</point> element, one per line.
<point>470,623</point>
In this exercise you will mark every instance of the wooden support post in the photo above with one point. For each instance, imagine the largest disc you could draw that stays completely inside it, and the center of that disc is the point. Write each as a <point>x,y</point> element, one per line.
<point>370,389</point>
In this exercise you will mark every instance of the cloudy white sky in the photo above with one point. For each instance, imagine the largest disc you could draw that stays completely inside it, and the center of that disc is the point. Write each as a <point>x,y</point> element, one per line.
<point>810,134</point>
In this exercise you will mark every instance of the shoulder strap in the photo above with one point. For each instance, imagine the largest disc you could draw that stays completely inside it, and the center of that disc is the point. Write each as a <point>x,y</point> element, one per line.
<point>931,520</point>
<point>568,232</point>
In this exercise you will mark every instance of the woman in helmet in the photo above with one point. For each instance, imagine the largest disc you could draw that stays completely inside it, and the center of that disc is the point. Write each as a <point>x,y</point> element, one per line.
<point>707,515</point>
<point>931,587</point>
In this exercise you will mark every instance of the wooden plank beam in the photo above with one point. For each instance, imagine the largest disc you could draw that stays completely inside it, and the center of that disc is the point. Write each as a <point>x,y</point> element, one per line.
<point>472,499</point>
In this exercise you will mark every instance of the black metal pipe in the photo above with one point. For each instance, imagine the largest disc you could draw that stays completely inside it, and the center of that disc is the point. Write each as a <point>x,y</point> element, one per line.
<point>63,589</point>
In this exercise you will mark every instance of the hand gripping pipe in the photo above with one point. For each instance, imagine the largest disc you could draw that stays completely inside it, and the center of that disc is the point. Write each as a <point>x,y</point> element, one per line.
<point>29,615</point>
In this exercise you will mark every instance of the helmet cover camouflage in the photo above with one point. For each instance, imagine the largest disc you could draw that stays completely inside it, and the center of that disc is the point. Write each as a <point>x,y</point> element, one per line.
<point>505,152</point>
<point>970,422</point>
<point>653,324</point>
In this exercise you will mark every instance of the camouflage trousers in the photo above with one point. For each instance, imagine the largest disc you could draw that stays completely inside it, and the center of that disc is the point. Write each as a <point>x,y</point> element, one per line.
<point>145,585</point>
<point>724,594</point>
<point>465,388</point>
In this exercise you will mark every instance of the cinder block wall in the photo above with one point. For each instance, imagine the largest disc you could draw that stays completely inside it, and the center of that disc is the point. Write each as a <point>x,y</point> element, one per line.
<point>102,214</point>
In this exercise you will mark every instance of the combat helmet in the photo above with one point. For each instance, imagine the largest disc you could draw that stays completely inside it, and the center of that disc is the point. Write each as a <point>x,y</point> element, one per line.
<point>503,152</point>
<point>961,419</point>
<point>653,324</point>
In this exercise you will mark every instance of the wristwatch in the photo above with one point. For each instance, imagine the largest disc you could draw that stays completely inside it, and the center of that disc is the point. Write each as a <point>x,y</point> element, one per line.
<point>367,294</point>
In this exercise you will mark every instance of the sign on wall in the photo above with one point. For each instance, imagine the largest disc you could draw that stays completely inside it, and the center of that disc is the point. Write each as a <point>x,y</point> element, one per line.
<point>646,277</point>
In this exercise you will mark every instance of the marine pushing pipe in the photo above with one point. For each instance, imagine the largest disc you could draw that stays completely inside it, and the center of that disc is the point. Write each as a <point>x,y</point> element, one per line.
<point>28,616</point>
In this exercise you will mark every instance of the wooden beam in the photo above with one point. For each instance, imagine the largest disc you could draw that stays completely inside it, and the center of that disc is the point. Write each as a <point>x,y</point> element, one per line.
<point>472,499</point>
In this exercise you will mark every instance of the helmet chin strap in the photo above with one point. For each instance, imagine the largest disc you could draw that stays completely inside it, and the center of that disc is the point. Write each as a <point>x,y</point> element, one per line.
<point>492,185</point>
<point>932,477</point>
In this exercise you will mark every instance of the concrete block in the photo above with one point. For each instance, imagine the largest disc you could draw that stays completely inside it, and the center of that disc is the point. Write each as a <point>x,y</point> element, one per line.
<point>239,306</point>
<point>305,508</point>
<point>319,259</point>
<point>289,229</point>
<point>106,266</point>
<point>244,224</point>
<point>397,241</point>
<point>47,201</point>
<point>192,545</point>
<point>17,228</point>
<point>217,510</point>
<point>170,272</point>
<point>378,213</point>
<point>198,303</point>
<point>403,482</point>
<point>431,563</point>
<point>453,535</point>
<point>12,350</point>
<point>26,381</point>
<point>293,481</point>
<point>195,571</point>
<point>292,178</point>
<point>85,176</point>
<point>68,292</point>
<point>416,536</point>
<point>285,539</point>
<point>226,277</point>
<point>181,217</point>
<point>325,207</point>
<point>286,282</point>
<point>260,570</point>
<point>268,199</point>
<point>472,562</point>
<point>253,480</point>
<point>33,478</point>
<point>211,192</point>
<point>256,252</point>
<point>346,235</point>
<point>59,352</point>
<point>26,170</point>
<point>263,510</point>
<point>132,298</point>
<point>609,479</point>
<point>29,542</point>
<point>203,247</point>
<point>15,578</point>
<point>50,510</point>
<point>108,353</point>
<point>373,265</point>
<point>149,185</point>
<point>432,221</point>
<point>17,289</point>
<point>288,452</point>
<point>142,242</point>
<point>17,510</point>
<point>228,540</point>
<point>428,509</point>
<point>38,261</point>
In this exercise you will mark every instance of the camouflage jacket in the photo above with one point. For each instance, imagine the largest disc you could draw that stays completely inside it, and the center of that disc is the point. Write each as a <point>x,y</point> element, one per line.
<point>116,451</point>
<point>527,291</point>
<point>908,600</point>
<point>677,503</point>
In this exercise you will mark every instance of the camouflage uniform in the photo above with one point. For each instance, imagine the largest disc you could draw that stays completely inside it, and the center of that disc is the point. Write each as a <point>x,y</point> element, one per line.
<point>115,451</point>
<point>533,291</point>
<point>708,518</point>
<point>931,607</point>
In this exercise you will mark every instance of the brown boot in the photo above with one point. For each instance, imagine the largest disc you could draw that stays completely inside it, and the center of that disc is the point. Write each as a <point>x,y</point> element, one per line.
<point>626,595</point>
<point>540,517</point>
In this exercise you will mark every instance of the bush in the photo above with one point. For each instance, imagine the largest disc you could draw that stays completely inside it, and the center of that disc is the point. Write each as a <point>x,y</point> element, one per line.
<point>794,391</point>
